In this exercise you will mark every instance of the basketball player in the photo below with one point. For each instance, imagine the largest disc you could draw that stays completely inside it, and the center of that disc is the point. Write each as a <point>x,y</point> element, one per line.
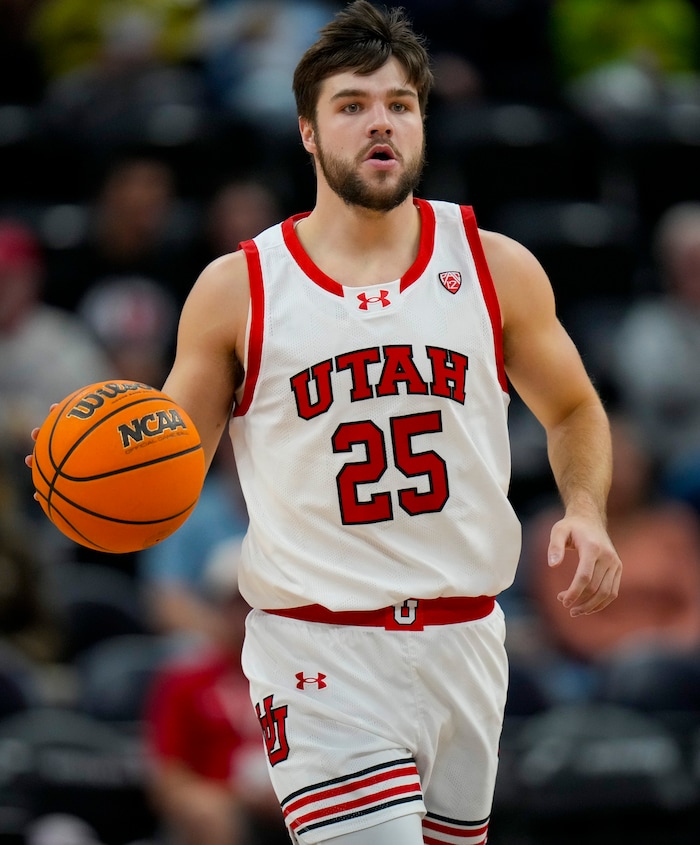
<point>363,353</point>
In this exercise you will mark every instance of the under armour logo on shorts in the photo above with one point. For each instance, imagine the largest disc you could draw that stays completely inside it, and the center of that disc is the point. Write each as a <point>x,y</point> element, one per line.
<point>303,680</point>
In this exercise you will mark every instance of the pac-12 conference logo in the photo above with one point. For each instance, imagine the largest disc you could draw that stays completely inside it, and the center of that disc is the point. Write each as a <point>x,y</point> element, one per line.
<point>451,280</point>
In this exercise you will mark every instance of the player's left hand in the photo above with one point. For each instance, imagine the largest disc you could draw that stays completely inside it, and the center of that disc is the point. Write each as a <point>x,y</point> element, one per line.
<point>596,582</point>
<point>29,459</point>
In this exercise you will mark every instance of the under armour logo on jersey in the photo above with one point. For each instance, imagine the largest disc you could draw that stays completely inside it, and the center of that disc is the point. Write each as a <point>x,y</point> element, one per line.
<point>451,280</point>
<point>381,300</point>
<point>273,723</point>
<point>304,680</point>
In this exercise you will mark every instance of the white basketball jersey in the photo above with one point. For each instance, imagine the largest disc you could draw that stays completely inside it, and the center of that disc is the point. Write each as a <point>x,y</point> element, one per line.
<point>371,432</point>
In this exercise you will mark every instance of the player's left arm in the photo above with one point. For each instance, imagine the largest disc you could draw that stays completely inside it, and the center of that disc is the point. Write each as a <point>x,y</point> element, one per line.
<point>546,370</point>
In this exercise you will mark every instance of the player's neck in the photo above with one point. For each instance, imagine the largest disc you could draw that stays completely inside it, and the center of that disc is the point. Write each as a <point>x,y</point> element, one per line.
<point>356,246</point>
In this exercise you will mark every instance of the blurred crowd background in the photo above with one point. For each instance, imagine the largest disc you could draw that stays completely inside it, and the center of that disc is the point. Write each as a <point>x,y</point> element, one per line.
<point>139,139</point>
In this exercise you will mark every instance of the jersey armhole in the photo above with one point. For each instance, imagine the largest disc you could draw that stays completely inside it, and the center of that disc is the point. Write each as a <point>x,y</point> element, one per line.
<point>254,338</point>
<point>488,290</point>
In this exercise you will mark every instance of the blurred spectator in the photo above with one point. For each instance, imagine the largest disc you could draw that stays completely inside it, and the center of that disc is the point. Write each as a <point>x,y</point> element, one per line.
<point>61,829</point>
<point>249,49</point>
<point>658,610</point>
<point>239,209</point>
<point>127,93</point>
<point>134,231</point>
<point>657,348</point>
<point>179,586</point>
<point>208,773</point>
<point>135,321</point>
<point>29,625</point>
<point>617,57</point>
<point>45,352</point>
<point>74,33</point>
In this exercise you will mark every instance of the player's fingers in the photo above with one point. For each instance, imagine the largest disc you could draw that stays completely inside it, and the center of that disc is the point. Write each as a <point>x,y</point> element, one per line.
<point>582,579</point>
<point>612,593</point>
<point>28,460</point>
<point>604,587</point>
<point>558,540</point>
<point>35,431</point>
<point>599,598</point>
<point>590,591</point>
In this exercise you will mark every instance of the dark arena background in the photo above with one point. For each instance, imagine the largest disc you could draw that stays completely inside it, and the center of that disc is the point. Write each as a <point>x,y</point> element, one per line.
<point>139,140</point>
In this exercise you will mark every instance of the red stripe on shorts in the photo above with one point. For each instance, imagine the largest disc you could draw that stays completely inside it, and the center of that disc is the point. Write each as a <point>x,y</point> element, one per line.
<point>439,831</point>
<point>365,792</point>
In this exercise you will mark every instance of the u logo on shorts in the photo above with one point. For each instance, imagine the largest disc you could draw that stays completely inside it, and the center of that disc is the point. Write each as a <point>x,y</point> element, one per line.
<point>404,615</point>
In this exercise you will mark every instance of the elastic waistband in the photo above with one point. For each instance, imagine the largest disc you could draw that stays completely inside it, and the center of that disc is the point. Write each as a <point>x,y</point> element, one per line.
<point>410,615</point>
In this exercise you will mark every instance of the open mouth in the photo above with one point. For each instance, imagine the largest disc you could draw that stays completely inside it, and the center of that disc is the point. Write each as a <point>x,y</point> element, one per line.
<point>381,154</point>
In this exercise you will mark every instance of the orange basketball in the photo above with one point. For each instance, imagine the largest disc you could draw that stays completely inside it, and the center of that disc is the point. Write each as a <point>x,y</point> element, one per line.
<point>118,466</point>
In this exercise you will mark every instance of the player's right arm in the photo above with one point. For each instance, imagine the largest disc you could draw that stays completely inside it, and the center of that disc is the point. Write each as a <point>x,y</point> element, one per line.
<point>208,363</point>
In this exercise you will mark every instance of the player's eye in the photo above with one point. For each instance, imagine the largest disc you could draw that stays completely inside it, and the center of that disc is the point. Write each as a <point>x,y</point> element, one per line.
<point>351,108</point>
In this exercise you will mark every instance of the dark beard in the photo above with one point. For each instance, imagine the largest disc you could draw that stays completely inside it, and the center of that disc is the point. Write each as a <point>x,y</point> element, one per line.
<point>348,185</point>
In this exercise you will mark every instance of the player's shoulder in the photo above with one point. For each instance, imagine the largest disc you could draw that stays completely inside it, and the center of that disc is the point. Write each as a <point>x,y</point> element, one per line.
<point>224,278</point>
<point>499,249</point>
<point>521,282</point>
<point>502,249</point>
<point>510,261</point>
<point>230,265</point>
<point>234,266</point>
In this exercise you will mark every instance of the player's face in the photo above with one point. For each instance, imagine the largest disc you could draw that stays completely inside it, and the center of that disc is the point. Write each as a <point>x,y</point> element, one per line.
<point>368,138</point>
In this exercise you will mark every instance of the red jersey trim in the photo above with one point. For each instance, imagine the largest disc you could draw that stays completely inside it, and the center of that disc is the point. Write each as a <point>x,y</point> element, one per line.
<point>450,610</point>
<point>255,339</point>
<point>488,290</point>
<point>425,246</point>
<point>302,259</point>
<point>414,272</point>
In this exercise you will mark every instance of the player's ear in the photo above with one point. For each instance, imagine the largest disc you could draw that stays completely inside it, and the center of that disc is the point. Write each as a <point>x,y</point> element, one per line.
<point>308,135</point>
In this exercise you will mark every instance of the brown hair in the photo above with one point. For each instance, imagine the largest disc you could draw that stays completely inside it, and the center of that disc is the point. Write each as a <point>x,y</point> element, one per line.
<point>362,38</point>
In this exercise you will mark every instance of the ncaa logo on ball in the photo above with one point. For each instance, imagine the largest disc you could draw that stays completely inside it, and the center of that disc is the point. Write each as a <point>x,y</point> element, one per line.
<point>150,425</point>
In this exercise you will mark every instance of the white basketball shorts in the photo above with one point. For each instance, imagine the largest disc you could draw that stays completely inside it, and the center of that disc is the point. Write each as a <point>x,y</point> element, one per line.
<point>364,724</point>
